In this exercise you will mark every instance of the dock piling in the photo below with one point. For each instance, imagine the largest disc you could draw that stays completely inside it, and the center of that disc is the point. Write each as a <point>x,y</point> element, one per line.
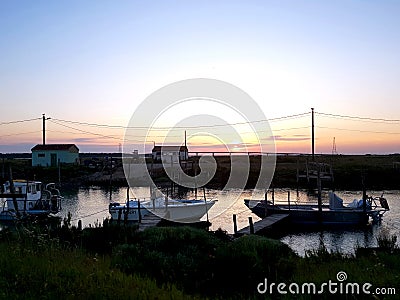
<point>266,202</point>
<point>119,216</point>
<point>251,225</point>
<point>234,224</point>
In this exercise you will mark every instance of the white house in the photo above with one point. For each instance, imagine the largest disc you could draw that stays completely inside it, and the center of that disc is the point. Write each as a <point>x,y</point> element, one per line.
<point>176,153</point>
<point>50,155</point>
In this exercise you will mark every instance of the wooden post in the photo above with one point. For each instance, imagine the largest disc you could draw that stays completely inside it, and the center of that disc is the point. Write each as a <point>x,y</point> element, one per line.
<point>319,195</point>
<point>80,225</point>
<point>110,185</point>
<point>288,198</point>
<point>251,225</point>
<point>26,194</point>
<point>265,202</point>
<point>234,224</point>
<point>205,202</point>
<point>319,191</point>
<point>364,200</point>
<point>59,173</point>
<point>119,216</point>
<point>139,214</point>
<point>127,199</point>
<point>12,191</point>
<point>125,216</point>
<point>273,197</point>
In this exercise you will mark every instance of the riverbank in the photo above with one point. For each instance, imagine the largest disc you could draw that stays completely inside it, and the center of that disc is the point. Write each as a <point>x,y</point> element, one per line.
<point>377,171</point>
<point>119,262</point>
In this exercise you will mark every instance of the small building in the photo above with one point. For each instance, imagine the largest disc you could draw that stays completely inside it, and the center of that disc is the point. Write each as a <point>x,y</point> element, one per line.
<point>177,153</point>
<point>49,155</point>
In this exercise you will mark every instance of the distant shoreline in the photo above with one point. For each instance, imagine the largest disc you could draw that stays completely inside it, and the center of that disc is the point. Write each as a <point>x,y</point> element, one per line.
<point>378,172</point>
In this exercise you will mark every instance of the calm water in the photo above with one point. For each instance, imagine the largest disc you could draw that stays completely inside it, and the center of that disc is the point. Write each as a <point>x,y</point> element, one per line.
<point>91,206</point>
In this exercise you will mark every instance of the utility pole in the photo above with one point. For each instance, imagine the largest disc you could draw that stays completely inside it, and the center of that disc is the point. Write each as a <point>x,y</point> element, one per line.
<point>312,133</point>
<point>44,128</point>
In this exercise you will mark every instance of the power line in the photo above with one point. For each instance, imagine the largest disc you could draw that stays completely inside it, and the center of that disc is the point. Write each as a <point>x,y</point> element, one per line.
<point>357,130</point>
<point>20,133</point>
<point>93,133</point>
<point>358,118</point>
<point>19,121</point>
<point>180,127</point>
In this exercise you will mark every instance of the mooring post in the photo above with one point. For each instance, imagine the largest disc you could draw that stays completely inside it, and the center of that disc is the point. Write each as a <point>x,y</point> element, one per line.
<point>273,197</point>
<point>127,199</point>
<point>265,202</point>
<point>80,225</point>
<point>234,224</point>
<point>125,216</point>
<point>119,216</point>
<point>140,215</point>
<point>251,225</point>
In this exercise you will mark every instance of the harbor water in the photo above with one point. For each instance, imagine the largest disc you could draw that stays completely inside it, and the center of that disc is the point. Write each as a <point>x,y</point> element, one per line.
<point>90,205</point>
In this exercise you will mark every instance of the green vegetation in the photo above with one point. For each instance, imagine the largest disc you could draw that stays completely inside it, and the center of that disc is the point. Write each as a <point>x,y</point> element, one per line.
<point>34,266</point>
<point>112,261</point>
<point>378,171</point>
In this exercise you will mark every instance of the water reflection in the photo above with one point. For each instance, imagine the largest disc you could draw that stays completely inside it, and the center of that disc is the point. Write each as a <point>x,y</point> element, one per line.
<point>91,206</point>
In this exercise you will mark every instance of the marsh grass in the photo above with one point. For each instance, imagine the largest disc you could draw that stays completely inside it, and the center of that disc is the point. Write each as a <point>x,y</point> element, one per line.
<point>118,262</point>
<point>30,271</point>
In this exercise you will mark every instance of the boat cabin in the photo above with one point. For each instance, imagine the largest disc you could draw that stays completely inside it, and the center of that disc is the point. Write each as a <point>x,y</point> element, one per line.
<point>29,190</point>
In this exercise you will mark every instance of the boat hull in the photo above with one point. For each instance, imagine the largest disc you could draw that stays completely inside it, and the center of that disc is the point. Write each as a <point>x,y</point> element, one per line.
<point>310,216</point>
<point>182,212</point>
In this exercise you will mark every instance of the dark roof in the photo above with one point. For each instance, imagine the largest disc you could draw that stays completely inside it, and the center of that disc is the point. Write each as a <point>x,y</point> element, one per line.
<point>170,148</point>
<point>41,147</point>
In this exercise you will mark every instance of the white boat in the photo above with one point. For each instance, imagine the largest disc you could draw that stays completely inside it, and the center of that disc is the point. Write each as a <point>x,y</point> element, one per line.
<point>23,198</point>
<point>177,210</point>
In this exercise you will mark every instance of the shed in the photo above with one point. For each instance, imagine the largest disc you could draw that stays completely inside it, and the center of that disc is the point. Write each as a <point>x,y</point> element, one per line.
<point>49,155</point>
<point>179,153</point>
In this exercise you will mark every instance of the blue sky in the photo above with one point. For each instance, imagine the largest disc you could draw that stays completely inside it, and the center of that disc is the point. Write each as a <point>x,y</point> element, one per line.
<point>95,61</point>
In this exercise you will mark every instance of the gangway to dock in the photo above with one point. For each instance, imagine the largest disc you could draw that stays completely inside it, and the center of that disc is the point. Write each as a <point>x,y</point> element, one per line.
<point>263,224</point>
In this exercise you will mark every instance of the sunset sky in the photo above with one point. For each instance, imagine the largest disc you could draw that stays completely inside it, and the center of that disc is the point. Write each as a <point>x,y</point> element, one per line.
<point>94,62</point>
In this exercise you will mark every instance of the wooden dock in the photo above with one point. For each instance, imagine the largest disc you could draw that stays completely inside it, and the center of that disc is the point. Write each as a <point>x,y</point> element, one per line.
<point>149,220</point>
<point>264,223</point>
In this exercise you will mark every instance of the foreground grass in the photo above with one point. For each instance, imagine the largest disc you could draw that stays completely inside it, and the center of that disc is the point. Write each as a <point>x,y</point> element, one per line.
<point>121,263</point>
<point>43,269</point>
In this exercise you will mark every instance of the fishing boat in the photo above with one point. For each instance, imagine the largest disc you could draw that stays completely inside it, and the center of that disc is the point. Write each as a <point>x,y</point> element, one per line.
<point>23,198</point>
<point>356,213</point>
<point>179,210</point>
